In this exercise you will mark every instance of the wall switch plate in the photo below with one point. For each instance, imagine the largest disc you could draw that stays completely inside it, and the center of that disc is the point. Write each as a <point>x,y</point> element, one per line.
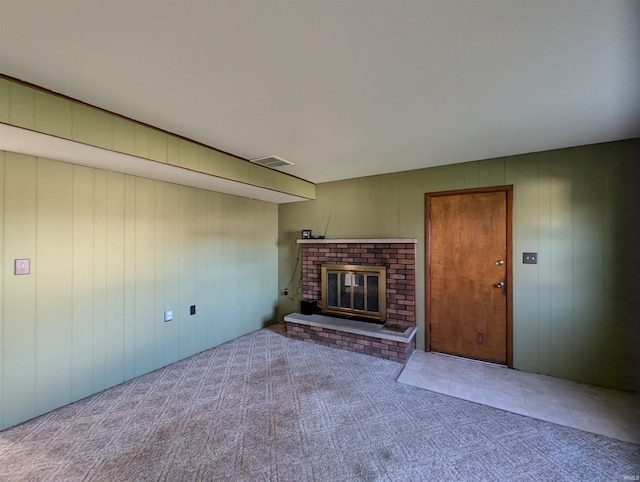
<point>529,258</point>
<point>22,266</point>
<point>168,315</point>
<point>192,310</point>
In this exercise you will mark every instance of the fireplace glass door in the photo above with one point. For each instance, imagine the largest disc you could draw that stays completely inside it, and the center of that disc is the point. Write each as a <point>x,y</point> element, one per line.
<point>355,291</point>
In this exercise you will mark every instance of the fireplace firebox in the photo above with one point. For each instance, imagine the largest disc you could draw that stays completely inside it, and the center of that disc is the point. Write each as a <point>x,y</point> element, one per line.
<point>355,291</point>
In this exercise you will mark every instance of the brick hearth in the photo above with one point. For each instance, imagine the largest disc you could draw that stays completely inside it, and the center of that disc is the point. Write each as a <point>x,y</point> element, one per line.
<point>362,337</point>
<point>399,257</point>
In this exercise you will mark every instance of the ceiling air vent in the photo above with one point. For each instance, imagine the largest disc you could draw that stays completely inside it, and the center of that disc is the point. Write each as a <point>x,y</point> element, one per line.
<point>271,161</point>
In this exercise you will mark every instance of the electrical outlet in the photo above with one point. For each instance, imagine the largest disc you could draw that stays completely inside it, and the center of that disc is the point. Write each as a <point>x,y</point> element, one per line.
<point>22,266</point>
<point>529,258</point>
<point>192,310</point>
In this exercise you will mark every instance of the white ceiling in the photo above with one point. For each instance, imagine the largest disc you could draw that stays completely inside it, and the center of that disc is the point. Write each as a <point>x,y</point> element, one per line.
<point>343,88</point>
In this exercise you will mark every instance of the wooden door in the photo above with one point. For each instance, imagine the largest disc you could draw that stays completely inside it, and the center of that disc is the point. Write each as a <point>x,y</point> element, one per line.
<point>469,258</point>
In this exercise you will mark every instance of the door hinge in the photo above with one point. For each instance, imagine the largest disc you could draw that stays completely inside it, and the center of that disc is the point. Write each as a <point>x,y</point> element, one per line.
<point>429,270</point>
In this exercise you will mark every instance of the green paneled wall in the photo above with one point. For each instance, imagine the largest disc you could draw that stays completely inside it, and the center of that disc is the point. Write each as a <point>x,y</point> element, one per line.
<point>572,313</point>
<point>109,253</point>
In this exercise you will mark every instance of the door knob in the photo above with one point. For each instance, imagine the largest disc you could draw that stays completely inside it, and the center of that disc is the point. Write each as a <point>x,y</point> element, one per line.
<point>499,284</point>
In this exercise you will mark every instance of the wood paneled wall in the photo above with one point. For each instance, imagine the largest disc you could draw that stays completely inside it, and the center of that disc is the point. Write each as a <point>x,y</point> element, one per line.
<point>572,311</point>
<point>109,253</point>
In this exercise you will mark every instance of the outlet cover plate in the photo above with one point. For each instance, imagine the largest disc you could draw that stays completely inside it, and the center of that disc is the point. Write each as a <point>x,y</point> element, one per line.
<point>22,266</point>
<point>529,258</point>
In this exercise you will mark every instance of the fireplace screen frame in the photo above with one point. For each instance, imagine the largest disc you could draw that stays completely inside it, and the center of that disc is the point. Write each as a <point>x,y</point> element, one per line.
<point>352,273</point>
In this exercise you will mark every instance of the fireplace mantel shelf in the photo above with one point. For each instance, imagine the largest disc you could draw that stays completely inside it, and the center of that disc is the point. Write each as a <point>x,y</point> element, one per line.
<point>358,241</point>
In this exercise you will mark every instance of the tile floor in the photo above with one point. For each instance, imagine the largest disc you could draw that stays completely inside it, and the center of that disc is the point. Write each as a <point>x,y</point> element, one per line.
<point>604,411</point>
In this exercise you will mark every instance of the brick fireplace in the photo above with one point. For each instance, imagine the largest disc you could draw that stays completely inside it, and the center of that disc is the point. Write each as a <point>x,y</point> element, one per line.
<point>396,339</point>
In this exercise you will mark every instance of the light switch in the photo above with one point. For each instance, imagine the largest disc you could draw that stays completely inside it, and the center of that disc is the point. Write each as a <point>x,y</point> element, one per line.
<point>168,315</point>
<point>22,266</point>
